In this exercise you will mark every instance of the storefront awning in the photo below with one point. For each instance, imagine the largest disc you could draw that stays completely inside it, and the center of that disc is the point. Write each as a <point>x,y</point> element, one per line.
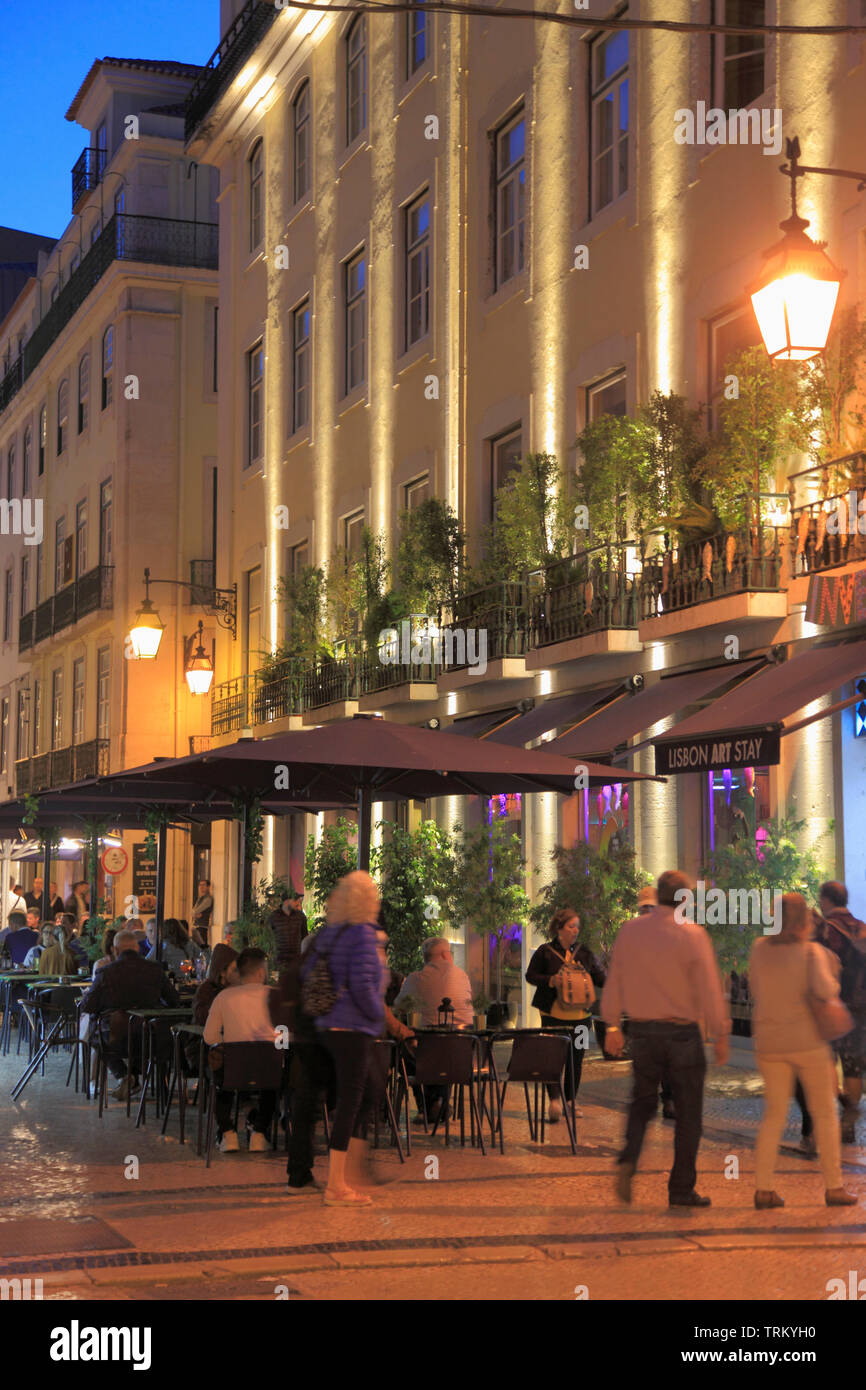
<point>477,725</point>
<point>619,722</point>
<point>552,714</point>
<point>759,704</point>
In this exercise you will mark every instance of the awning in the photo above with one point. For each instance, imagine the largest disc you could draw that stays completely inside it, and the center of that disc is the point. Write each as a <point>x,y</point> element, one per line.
<point>552,714</point>
<point>760,703</point>
<point>477,725</point>
<point>620,721</point>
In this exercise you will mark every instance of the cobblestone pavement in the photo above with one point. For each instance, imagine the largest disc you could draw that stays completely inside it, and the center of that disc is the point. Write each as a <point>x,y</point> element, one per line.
<point>536,1223</point>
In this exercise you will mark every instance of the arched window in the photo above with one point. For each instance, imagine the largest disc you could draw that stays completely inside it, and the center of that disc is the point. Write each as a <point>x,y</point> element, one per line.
<point>356,80</point>
<point>108,366</point>
<point>301,126</point>
<point>62,416</point>
<point>27,458</point>
<point>83,392</point>
<point>256,178</point>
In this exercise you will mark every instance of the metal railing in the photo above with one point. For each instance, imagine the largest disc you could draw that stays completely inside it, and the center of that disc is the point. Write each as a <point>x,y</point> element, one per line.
<point>62,766</point>
<point>90,592</point>
<point>591,591</point>
<point>330,682</point>
<point>278,691</point>
<point>376,675</point>
<point>728,562</point>
<point>827,529</point>
<point>498,610</point>
<point>200,743</point>
<point>87,172</point>
<point>10,384</point>
<point>235,46</point>
<point>230,705</point>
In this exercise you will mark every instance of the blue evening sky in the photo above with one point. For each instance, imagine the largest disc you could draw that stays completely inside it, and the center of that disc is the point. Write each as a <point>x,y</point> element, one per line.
<point>46,51</point>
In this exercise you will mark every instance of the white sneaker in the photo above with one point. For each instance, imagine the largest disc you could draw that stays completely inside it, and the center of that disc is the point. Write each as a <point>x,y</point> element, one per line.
<point>229,1144</point>
<point>258,1143</point>
<point>122,1091</point>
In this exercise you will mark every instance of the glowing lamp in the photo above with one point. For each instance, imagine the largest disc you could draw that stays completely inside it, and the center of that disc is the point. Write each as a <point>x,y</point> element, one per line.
<point>146,632</point>
<point>795,297</point>
<point>199,671</point>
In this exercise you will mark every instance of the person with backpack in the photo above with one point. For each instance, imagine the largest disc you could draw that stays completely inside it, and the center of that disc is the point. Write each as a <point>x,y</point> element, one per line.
<point>563,967</point>
<point>341,990</point>
<point>845,936</point>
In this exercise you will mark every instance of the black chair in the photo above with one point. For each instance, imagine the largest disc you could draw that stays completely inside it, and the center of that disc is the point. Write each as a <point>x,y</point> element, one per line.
<point>452,1060</point>
<point>540,1060</point>
<point>247,1066</point>
<point>53,1017</point>
<point>384,1065</point>
<point>159,1052</point>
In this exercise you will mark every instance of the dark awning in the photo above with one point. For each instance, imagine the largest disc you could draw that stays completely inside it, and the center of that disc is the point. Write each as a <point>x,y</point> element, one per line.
<point>774,693</point>
<point>477,725</point>
<point>552,714</point>
<point>632,714</point>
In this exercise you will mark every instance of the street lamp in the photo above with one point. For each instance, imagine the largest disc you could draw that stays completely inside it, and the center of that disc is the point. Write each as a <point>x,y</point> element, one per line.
<point>199,670</point>
<point>795,297</point>
<point>146,633</point>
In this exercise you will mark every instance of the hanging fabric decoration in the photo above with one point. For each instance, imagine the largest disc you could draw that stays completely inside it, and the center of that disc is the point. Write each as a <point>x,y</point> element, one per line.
<point>730,552</point>
<point>803,525</point>
<point>822,530</point>
<point>707,558</point>
<point>666,571</point>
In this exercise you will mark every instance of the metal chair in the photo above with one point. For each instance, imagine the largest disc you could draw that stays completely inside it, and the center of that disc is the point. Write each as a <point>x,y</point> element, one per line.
<point>53,1018</point>
<point>540,1060</point>
<point>247,1066</point>
<point>452,1060</point>
<point>383,1060</point>
<point>159,1052</point>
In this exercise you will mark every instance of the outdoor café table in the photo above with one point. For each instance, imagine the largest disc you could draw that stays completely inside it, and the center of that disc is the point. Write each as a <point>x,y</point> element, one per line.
<point>7,979</point>
<point>38,1059</point>
<point>195,1030</point>
<point>152,1011</point>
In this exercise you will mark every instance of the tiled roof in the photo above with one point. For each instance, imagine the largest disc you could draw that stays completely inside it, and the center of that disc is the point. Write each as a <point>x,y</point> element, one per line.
<point>169,66</point>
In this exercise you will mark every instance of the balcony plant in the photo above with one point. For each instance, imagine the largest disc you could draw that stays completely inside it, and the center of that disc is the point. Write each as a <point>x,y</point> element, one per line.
<point>415,870</point>
<point>831,385</point>
<point>429,561</point>
<point>612,482</point>
<point>488,889</point>
<point>532,521</point>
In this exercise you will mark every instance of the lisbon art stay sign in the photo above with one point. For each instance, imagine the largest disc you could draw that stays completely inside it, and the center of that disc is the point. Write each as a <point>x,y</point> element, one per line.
<point>745,748</point>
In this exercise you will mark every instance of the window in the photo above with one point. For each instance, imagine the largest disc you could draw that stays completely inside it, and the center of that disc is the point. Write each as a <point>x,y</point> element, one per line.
<point>416,492</point>
<point>353,529</point>
<point>4,736</point>
<point>505,454</point>
<point>83,392</point>
<point>108,366</point>
<point>356,80</point>
<point>301,366</point>
<point>301,139</point>
<point>105,523</point>
<point>729,335</point>
<point>25,585</point>
<point>80,539</point>
<point>22,734</point>
<point>299,557</point>
<point>609,118</point>
<point>738,59</point>
<point>256,182</point>
<point>103,688</point>
<point>606,397</point>
<point>9,605</point>
<point>59,552</point>
<point>416,40</point>
<point>57,709</point>
<point>27,462</point>
<point>510,155</point>
<point>43,438</point>
<point>62,416</point>
<point>37,716</point>
<point>10,472</point>
<point>40,573</point>
<point>255,404</point>
<point>254,619</point>
<point>216,338</point>
<point>78,700</point>
<point>417,269</point>
<point>356,321</point>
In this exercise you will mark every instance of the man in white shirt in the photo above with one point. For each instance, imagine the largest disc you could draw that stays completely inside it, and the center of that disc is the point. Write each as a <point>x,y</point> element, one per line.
<point>440,979</point>
<point>241,1014</point>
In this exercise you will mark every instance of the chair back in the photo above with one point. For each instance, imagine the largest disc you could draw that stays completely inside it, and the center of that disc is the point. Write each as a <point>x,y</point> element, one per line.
<point>161,1039</point>
<point>538,1057</point>
<point>445,1059</point>
<point>62,999</point>
<point>252,1066</point>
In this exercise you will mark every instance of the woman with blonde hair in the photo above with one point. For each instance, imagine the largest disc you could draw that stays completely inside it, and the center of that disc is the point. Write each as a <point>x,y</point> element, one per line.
<point>789,974</point>
<point>342,964</point>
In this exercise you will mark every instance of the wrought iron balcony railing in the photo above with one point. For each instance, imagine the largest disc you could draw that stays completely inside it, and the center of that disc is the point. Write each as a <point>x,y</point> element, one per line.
<point>592,591</point>
<point>500,613</point>
<point>828,528</point>
<point>25,631</point>
<point>62,766</point>
<point>87,172</point>
<point>231,705</point>
<point>235,46</point>
<point>330,683</point>
<point>10,383</point>
<point>278,691</point>
<point>728,562</point>
<point>376,675</point>
<point>90,592</point>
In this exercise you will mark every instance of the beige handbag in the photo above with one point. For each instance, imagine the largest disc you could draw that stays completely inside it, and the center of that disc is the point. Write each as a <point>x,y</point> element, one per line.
<point>575,992</point>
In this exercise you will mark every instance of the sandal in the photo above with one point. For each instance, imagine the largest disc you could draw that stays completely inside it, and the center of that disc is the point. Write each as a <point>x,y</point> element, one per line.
<point>349,1198</point>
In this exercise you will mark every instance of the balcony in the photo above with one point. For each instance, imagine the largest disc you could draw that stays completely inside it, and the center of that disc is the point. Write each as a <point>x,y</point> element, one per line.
<point>235,47</point>
<point>593,591</point>
<point>498,610</point>
<point>87,594</point>
<point>737,572</point>
<point>231,706</point>
<point>10,384</point>
<point>277,692</point>
<point>62,766</point>
<point>87,172</point>
<point>827,524</point>
<point>330,682</point>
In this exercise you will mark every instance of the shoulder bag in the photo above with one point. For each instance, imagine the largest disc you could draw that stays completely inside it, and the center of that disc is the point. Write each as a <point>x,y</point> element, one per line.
<point>575,992</point>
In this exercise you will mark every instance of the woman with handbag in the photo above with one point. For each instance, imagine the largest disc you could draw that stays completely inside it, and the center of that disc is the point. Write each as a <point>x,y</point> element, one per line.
<point>564,974</point>
<point>797,1013</point>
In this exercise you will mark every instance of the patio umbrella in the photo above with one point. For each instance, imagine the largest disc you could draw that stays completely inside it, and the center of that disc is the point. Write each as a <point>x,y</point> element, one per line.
<point>355,762</point>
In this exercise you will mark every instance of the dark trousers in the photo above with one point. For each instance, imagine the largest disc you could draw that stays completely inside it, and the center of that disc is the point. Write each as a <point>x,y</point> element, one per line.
<point>314,1076</point>
<point>262,1116</point>
<point>356,1091</point>
<point>800,1098</point>
<point>673,1051</point>
<point>571,1081</point>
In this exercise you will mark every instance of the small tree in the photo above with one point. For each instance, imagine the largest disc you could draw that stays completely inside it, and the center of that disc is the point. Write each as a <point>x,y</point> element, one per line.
<point>327,862</point>
<point>602,889</point>
<point>676,445</point>
<point>416,874</point>
<point>830,383</point>
<point>429,559</point>
<point>612,481</point>
<point>304,597</point>
<point>488,883</point>
<point>532,520</point>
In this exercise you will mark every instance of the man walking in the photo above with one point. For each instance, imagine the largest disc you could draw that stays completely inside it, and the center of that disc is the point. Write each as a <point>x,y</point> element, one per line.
<point>663,975</point>
<point>844,935</point>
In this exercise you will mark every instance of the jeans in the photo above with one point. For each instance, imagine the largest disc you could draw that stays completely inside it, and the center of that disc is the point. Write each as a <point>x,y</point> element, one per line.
<point>224,1103</point>
<point>675,1052</point>
<point>315,1078</point>
<point>356,1090</point>
<point>816,1071</point>
<point>571,1087</point>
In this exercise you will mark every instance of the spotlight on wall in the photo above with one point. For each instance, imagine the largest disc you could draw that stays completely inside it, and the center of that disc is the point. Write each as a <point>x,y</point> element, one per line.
<point>431,724</point>
<point>635,682</point>
<point>777,654</point>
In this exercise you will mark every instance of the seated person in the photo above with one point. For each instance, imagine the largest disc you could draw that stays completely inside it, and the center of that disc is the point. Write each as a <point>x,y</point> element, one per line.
<point>128,983</point>
<point>108,954</point>
<point>57,959</point>
<point>77,947</point>
<point>31,960</point>
<point>18,937</point>
<point>439,979</point>
<point>222,973</point>
<point>241,1014</point>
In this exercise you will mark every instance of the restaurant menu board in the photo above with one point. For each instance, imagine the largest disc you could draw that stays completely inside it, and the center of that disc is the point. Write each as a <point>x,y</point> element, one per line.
<point>143,874</point>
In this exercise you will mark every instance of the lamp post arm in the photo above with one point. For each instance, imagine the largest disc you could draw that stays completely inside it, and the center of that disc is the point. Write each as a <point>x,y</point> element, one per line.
<point>816,169</point>
<point>224,604</point>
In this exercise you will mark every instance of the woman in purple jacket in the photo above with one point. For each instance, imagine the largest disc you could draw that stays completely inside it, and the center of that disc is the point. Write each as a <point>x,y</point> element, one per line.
<point>356,1020</point>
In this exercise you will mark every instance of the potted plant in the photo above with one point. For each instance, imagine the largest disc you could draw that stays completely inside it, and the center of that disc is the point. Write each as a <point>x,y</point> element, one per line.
<point>412,1009</point>
<point>489,893</point>
<point>480,1003</point>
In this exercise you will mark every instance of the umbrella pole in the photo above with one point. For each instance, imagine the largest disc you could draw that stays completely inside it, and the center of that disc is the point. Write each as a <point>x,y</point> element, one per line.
<point>161,845</point>
<point>364,808</point>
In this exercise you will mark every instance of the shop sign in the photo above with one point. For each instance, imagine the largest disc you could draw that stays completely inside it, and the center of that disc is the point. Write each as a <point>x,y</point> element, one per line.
<point>745,748</point>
